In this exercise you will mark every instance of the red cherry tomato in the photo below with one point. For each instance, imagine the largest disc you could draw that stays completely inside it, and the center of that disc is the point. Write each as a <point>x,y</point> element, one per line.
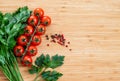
<point>18,50</point>
<point>32,50</point>
<point>22,40</point>
<point>36,40</point>
<point>27,60</point>
<point>33,20</point>
<point>46,20</point>
<point>41,29</point>
<point>39,12</point>
<point>28,30</point>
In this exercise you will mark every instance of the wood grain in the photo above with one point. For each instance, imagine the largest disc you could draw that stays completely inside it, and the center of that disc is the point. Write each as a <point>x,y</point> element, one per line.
<point>92,26</point>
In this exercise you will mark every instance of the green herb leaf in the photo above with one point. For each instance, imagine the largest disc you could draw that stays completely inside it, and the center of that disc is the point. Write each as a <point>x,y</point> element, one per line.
<point>46,61</point>
<point>51,75</point>
<point>3,41</point>
<point>56,61</point>
<point>39,61</point>
<point>1,32</point>
<point>1,17</point>
<point>11,42</point>
<point>22,14</point>
<point>33,70</point>
<point>7,18</point>
<point>15,29</point>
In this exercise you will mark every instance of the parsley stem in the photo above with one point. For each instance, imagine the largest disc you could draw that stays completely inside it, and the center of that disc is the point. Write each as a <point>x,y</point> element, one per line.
<point>38,74</point>
<point>36,77</point>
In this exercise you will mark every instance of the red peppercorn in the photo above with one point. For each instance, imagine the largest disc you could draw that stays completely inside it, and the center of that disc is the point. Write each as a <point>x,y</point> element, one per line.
<point>48,45</point>
<point>66,46</point>
<point>70,49</point>
<point>68,42</point>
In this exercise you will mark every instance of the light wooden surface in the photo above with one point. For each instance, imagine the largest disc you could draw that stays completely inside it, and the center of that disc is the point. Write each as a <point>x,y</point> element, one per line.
<point>92,26</point>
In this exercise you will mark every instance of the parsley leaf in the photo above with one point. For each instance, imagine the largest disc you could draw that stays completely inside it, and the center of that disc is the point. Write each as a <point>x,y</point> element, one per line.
<point>1,17</point>
<point>46,61</point>
<point>33,69</point>
<point>56,61</point>
<point>51,75</point>
<point>22,14</point>
<point>40,61</point>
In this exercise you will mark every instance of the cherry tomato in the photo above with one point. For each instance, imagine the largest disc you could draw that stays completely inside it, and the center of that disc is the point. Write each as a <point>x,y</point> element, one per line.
<point>28,30</point>
<point>32,50</point>
<point>41,29</point>
<point>39,12</point>
<point>33,20</point>
<point>26,60</point>
<point>18,50</point>
<point>22,40</point>
<point>36,40</point>
<point>46,20</point>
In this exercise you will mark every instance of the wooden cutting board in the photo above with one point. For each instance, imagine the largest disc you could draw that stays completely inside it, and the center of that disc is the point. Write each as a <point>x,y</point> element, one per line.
<point>92,26</point>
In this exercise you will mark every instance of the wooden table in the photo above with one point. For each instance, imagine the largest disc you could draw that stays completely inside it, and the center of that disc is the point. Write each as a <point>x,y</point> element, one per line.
<point>92,26</point>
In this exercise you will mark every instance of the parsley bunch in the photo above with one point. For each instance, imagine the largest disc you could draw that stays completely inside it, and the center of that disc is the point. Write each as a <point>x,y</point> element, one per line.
<point>11,26</point>
<point>42,64</point>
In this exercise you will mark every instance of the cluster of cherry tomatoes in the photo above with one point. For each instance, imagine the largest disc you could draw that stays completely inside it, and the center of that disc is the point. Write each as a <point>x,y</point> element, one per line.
<point>27,42</point>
